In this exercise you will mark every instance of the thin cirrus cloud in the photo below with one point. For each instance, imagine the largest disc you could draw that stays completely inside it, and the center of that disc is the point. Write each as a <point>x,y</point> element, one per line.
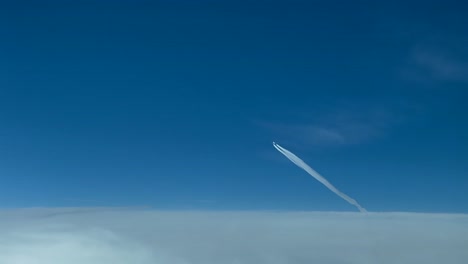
<point>438,66</point>
<point>319,134</point>
<point>339,128</point>
<point>39,236</point>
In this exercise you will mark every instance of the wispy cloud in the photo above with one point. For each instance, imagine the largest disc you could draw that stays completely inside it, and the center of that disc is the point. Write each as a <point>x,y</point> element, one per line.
<point>437,66</point>
<point>337,128</point>
<point>432,39</point>
<point>190,237</point>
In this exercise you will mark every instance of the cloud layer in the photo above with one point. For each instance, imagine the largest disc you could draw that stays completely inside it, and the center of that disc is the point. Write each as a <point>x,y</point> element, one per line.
<point>37,236</point>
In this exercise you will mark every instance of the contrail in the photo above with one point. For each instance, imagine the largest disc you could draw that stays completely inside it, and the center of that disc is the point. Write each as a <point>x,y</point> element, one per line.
<point>301,164</point>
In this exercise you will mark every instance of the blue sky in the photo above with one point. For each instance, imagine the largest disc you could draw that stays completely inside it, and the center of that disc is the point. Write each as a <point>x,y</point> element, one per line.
<point>174,104</point>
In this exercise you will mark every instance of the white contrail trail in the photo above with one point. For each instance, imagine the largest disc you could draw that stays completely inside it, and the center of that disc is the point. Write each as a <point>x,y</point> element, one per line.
<point>301,164</point>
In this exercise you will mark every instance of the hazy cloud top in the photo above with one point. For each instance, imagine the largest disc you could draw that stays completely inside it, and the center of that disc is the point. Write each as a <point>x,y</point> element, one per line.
<point>100,235</point>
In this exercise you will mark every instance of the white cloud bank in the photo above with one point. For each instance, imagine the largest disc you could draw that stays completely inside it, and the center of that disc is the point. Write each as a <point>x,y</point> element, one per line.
<point>97,236</point>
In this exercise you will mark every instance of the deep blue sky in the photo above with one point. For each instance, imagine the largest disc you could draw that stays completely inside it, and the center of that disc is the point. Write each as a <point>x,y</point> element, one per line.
<point>174,104</point>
